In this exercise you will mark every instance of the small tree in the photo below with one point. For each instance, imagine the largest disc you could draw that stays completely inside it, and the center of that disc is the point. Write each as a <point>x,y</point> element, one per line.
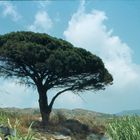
<point>47,62</point>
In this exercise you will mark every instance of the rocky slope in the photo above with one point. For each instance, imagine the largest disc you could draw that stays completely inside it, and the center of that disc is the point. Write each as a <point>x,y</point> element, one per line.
<point>76,124</point>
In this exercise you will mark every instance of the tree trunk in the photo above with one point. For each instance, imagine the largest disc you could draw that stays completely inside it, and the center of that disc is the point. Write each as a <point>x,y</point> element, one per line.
<point>45,110</point>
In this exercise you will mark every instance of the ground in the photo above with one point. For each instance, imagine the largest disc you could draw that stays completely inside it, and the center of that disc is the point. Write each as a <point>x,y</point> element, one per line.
<point>76,124</point>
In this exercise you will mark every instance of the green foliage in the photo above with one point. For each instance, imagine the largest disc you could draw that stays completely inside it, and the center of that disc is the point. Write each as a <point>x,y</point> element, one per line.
<point>35,57</point>
<point>124,128</point>
<point>4,115</point>
<point>17,135</point>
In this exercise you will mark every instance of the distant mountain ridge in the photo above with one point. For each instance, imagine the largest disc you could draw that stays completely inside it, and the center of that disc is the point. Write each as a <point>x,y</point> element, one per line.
<point>71,112</point>
<point>66,112</point>
<point>129,112</point>
<point>20,110</point>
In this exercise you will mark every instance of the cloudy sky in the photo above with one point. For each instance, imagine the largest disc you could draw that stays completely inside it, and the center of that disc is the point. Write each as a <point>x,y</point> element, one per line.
<point>109,29</point>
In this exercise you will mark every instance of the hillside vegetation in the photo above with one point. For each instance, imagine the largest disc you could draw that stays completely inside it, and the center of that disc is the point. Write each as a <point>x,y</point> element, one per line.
<point>77,124</point>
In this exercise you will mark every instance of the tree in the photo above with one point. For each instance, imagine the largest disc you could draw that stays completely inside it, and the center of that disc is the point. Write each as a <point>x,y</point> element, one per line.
<point>47,62</point>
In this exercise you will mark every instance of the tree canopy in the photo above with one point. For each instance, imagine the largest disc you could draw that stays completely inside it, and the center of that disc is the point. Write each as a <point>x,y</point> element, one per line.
<point>55,62</point>
<point>47,62</point>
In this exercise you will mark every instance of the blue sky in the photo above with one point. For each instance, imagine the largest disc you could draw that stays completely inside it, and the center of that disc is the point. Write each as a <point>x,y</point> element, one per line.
<point>107,28</point>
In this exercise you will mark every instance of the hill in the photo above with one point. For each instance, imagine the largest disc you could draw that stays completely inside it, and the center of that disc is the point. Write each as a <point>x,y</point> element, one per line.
<point>129,112</point>
<point>66,112</point>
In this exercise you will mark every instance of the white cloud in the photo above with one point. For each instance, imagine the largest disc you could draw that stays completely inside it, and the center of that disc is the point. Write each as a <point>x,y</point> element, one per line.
<point>42,22</point>
<point>10,10</point>
<point>89,31</point>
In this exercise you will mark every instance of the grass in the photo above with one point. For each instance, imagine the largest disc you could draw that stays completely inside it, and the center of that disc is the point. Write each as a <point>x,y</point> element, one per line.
<point>117,128</point>
<point>29,136</point>
<point>124,128</point>
<point>20,124</point>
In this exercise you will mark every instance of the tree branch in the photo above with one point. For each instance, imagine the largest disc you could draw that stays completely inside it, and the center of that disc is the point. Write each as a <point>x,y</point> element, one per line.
<point>54,98</point>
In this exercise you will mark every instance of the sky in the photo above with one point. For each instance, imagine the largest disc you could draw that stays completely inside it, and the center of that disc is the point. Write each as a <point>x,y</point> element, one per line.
<point>107,28</point>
